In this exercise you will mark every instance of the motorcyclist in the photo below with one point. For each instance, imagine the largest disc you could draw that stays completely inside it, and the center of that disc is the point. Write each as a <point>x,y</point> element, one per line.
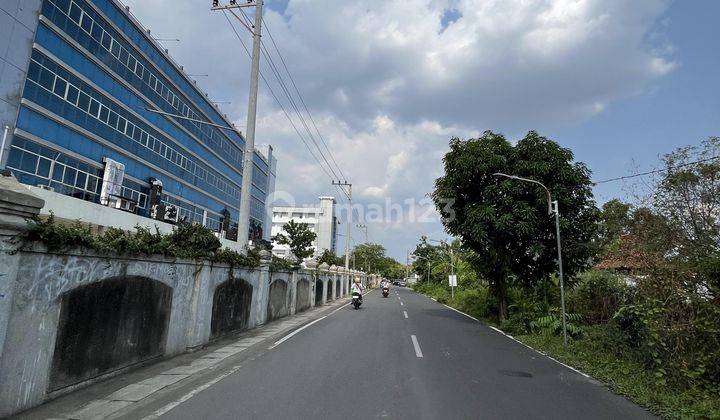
<point>357,287</point>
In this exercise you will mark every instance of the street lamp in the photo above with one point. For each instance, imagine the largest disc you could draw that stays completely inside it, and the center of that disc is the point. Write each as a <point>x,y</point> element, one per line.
<point>553,207</point>
<point>452,263</point>
<point>418,257</point>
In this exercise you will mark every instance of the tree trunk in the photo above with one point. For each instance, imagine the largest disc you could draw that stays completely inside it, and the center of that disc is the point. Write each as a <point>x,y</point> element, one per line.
<point>499,289</point>
<point>502,301</point>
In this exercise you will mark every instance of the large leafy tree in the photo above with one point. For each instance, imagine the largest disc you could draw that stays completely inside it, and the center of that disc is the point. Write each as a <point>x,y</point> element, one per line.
<point>372,258</point>
<point>299,237</point>
<point>506,222</point>
<point>369,257</point>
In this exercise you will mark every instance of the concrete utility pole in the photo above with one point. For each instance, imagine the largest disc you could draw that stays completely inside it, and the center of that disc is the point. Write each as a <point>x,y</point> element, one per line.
<point>348,237</point>
<point>247,175</point>
<point>365,230</point>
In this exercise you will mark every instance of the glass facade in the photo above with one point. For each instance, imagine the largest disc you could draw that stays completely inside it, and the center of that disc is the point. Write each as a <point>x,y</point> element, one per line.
<point>92,76</point>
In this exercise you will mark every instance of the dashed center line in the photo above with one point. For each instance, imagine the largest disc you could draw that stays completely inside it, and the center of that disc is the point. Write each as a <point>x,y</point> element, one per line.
<point>401,304</point>
<point>418,352</point>
<point>405,313</point>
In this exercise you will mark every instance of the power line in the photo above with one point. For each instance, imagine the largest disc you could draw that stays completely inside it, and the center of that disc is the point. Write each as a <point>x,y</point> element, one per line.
<point>292,80</point>
<point>282,107</point>
<point>293,103</point>
<point>656,170</point>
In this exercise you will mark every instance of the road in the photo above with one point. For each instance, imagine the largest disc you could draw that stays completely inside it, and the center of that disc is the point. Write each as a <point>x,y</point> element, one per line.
<point>366,364</point>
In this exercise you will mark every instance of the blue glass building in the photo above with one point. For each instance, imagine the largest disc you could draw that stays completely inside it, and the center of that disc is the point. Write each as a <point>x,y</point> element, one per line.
<point>77,82</point>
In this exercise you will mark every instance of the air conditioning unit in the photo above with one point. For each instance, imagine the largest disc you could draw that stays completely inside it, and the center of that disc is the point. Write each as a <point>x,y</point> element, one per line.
<point>125,205</point>
<point>46,187</point>
<point>171,214</point>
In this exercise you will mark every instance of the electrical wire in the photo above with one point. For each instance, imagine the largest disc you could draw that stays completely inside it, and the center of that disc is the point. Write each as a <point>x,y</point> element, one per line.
<point>656,171</point>
<point>282,107</point>
<point>292,80</point>
<point>284,88</point>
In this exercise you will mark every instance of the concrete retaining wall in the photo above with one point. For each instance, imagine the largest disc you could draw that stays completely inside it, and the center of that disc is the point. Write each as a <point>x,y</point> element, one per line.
<point>37,288</point>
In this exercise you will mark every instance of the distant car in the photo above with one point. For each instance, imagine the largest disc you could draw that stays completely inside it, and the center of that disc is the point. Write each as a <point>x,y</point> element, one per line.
<point>396,283</point>
<point>402,283</point>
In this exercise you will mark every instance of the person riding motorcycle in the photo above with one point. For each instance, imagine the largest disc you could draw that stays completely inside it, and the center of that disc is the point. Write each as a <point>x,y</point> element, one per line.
<point>357,287</point>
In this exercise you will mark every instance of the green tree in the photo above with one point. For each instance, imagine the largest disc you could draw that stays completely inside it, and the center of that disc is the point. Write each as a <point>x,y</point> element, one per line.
<point>368,257</point>
<point>615,220</point>
<point>505,222</point>
<point>299,237</point>
<point>330,258</point>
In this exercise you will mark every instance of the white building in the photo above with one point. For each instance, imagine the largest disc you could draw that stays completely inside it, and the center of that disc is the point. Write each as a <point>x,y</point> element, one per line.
<point>321,220</point>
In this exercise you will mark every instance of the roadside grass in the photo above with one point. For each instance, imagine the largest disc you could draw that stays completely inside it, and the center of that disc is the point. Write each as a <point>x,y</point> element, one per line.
<point>599,355</point>
<point>593,355</point>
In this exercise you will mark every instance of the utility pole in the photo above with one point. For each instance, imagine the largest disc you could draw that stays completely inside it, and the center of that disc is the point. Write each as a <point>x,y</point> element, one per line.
<point>348,237</point>
<point>247,174</point>
<point>365,230</point>
<point>407,266</point>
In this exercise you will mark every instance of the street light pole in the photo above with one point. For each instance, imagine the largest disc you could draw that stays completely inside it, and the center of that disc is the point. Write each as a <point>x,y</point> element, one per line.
<point>560,267</point>
<point>452,263</point>
<point>553,207</point>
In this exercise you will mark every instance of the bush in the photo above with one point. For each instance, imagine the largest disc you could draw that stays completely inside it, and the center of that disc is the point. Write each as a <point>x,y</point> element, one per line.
<point>552,324</point>
<point>675,329</point>
<point>185,241</point>
<point>597,296</point>
<point>475,302</point>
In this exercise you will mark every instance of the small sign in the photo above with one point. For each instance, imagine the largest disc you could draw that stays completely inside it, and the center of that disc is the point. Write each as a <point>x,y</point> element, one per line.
<point>112,182</point>
<point>452,279</point>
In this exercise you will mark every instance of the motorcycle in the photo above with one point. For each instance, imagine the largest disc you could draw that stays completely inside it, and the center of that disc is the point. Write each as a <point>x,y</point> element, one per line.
<point>386,291</point>
<point>356,300</point>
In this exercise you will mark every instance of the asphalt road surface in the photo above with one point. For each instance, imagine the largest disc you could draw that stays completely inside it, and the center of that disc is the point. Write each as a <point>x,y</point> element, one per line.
<point>402,357</point>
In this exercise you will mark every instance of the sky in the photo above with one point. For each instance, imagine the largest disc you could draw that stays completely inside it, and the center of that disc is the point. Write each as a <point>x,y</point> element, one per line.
<point>389,82</point>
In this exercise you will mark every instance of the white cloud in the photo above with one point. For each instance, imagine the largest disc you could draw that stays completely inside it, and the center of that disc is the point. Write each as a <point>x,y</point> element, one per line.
<point>388,85</point>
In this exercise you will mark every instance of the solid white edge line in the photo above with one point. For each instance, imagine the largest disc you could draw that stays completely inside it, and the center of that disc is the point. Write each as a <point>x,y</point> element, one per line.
<point>462,313</point>
<point>159,412</point>
<point>405,314</point>
<point>418,352</point>
<point>518,341</point>
<point>289,336</point>
<point>539,352</point>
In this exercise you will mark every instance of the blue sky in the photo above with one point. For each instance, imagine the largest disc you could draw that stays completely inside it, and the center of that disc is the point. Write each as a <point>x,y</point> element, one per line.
<point>680,109</point>
<point>389,82</point>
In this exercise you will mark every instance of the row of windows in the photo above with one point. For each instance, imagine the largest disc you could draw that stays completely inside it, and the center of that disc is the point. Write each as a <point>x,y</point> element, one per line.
<point>65,178</point>
<point>37,165</point>
<point>52,82</point>
<point>89,25</point>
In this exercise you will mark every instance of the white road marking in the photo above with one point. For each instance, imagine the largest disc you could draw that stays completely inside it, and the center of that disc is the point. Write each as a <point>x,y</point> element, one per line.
<point>401,304</point>
<point>405,313</point>
<point>191,394</point>
<point>462,313</point>
<point>418,352</point>
<point>538,351</point>
<point>287,337</point>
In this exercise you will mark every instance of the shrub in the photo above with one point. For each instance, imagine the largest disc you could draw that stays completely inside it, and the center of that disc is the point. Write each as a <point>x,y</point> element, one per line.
<point>552,324</point>
<point>475,302</point>
<point>523,310</point>
<point>598,295</point>
<point>185,241</point>
<point>675,329</point>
